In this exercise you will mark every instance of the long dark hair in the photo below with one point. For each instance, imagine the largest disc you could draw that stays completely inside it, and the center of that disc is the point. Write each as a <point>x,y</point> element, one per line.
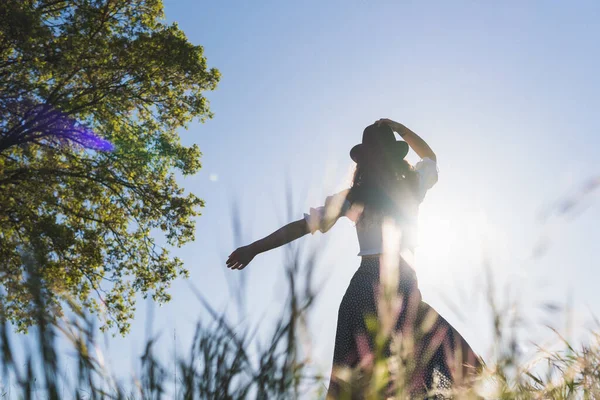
<point>385,186</point>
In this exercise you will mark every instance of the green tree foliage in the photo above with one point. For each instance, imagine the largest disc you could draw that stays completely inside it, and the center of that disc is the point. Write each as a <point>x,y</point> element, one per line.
<point>115,68</point>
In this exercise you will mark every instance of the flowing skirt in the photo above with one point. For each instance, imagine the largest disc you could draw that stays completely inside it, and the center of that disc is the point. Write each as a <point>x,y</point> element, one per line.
<point>434,354</point>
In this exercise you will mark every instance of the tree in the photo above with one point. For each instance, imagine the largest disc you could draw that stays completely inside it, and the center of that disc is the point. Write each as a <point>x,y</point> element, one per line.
<point>92,95</point>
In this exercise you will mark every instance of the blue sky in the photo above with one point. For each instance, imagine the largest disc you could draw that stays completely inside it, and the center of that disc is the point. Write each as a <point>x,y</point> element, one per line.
<point>505,93</point>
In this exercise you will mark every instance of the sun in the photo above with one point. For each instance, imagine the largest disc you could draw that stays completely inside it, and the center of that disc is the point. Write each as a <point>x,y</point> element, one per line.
<point>450,239</point>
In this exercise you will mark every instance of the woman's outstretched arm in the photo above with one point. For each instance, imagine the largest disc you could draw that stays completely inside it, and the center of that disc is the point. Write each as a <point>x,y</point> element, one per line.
<point>414,141</point>
<point>243,255</point>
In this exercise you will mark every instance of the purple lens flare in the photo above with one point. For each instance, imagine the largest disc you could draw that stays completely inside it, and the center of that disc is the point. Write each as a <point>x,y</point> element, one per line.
<point>44,123</point>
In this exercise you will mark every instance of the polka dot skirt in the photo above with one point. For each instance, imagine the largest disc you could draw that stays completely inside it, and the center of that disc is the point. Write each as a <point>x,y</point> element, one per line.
<point>438,353</point>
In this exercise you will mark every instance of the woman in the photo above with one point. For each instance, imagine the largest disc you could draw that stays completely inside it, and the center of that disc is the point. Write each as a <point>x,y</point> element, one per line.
<point>383,201</point>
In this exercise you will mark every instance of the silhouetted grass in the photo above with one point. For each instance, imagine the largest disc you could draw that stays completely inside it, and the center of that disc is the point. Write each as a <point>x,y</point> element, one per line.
<point>220,365</point>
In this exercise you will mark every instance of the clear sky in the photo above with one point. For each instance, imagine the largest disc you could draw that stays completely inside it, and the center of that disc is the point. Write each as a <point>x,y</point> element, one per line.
<point>506,93</point>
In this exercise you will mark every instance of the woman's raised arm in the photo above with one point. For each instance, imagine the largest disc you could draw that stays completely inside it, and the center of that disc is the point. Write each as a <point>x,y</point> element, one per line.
<point>414,141</point>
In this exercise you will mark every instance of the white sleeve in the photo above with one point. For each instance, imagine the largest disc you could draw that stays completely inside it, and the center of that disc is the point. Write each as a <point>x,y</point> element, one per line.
<point>428,174</point>
<point>314,218</point>
<point>324,217</point>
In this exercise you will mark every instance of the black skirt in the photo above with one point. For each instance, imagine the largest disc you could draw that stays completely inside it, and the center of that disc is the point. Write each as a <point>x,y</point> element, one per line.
<point>438,354</point>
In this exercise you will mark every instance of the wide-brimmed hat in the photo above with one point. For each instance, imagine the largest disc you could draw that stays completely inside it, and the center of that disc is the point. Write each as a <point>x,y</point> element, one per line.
<point>379,139</point>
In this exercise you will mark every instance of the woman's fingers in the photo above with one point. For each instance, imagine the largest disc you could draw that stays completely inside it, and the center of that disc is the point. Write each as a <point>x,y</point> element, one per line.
<point>235,264</point>
<point>231,261</point>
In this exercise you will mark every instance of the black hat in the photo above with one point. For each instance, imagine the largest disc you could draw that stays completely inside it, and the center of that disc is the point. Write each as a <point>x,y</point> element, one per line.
<point>379,139</point>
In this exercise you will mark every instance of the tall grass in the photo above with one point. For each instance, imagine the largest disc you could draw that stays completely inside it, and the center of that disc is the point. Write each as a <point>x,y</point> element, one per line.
<point>220,365</point>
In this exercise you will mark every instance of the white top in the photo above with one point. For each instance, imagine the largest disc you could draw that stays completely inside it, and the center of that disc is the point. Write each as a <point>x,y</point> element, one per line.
<point>371,234</point>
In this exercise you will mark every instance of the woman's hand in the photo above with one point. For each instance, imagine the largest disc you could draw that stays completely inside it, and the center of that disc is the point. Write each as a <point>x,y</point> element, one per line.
<point>396,126</point>
<point>241,257</point>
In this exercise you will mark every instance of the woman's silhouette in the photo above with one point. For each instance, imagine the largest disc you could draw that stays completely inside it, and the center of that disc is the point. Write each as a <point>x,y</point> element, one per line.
<point>383,201</point>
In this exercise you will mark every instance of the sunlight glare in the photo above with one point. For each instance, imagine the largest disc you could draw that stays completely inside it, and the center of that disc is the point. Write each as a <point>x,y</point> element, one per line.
<point>451,243</point>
